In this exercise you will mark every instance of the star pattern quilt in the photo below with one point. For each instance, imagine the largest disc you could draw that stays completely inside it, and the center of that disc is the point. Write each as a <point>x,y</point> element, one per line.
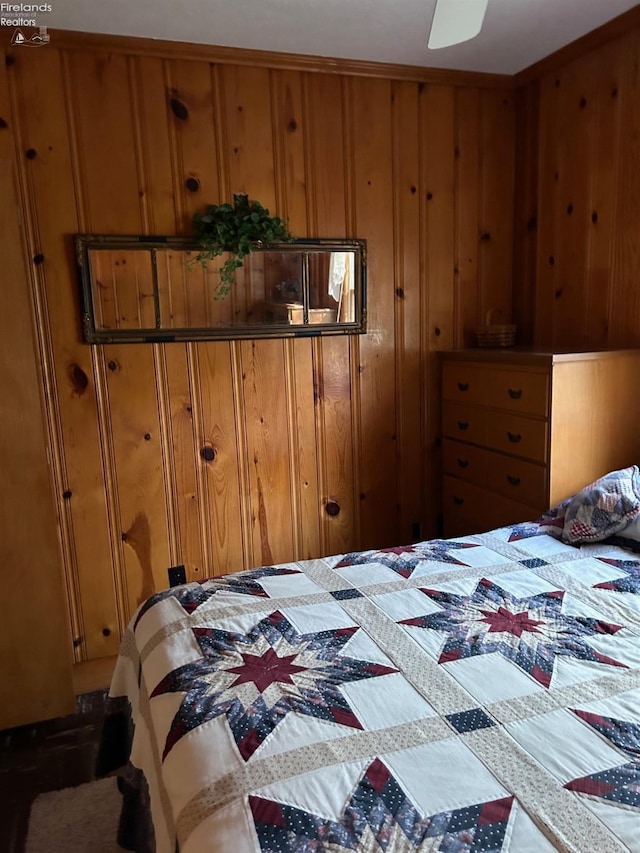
<point>477,694</point>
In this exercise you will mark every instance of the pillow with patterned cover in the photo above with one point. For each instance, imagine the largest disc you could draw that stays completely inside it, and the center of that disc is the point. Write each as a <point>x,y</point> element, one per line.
<point>604,507</point>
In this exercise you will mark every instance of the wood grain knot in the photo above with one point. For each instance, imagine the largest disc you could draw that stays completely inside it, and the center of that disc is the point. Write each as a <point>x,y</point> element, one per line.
<point>532,224</point>
<point>485,236</point>
<point>332,508</point>
<point>67,494</point>
<point>552,260</point>
<point>112,365</point>
<point>78,378</point>
<point>414,190</point>
<point>583,102</point>
<point>147,436</point>
<point>38,259</point>
<point>208,453</point>
<point>106,632</point>
<point>292,126</point>
<point>437,332</point>
<point>400,292</point>
<point>179,108</point>
<point>429,196</point>
<point>10,60</point>
<point>192,184</point>
<point>31,153</point>
<point>3,123</point>
<point>569,209</point>
<point>77,641</point>
<point>594,216</point>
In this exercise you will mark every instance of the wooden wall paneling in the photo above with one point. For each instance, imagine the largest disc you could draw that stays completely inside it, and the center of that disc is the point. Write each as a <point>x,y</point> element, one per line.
<point>35,648</point>
<point>250,162</point>
<point>575,105</point>
<point>600,218</point>
<point>335,402</point>
<point>437,151</point>
<point>191,103</point>
<point>467,273</point>
<point>290,144</point>
<point>409,304</point>
<point>217,446</point>
<point>164,209</point>
<point>124,286</point>
<point>525,207</point>
<point>496,212</point>
<point>371,152</point>
<point>290,152</point>
<point>267,412</point>
<point>625,301</point>
<point>107,125</point>
<point>249,133</point>
<point>548,205</point>
<point>138,456</point>
<point>105,300</point>
<point>69,363</point>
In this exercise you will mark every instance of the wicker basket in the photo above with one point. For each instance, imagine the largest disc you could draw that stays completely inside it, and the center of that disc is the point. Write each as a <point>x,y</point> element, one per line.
<point>495,334</point>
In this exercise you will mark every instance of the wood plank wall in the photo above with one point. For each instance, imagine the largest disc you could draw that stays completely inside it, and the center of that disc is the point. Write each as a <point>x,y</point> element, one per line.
<point>577,220</point>
<point>108,142</point>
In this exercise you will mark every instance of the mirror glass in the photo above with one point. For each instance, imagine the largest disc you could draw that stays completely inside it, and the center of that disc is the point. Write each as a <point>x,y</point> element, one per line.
<point>155,289</point>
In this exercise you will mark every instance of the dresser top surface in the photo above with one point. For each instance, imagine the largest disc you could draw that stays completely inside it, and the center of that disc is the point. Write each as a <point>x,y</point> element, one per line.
<point>528,355</point>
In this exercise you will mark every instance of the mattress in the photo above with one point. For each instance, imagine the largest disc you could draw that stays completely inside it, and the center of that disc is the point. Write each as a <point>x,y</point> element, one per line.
<point>476,694</point>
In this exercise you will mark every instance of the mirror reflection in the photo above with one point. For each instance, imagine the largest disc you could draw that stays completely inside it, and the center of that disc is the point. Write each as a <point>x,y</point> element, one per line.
<point>139,289</point>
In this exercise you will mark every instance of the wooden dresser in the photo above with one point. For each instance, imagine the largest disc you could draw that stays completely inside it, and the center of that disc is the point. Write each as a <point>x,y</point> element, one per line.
<point>522,430</point>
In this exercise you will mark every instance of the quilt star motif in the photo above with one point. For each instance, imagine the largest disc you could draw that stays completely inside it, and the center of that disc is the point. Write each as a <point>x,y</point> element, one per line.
<point>531,632</point>
<point>404,559</point>
<point>192,596</point>
<point>256,679</point>
<point>380,818</point>
<point>629,582</point>
<point>619,784</point>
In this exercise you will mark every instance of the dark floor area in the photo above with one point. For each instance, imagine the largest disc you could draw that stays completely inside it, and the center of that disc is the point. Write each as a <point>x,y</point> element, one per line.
<point>46,756</point>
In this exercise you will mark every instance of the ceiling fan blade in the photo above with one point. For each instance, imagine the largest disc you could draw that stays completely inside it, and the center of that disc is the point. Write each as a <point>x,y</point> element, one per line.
<point>455,21</point>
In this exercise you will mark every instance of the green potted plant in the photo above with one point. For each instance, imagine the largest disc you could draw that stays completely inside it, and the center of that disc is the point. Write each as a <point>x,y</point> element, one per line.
<point>236,228</point>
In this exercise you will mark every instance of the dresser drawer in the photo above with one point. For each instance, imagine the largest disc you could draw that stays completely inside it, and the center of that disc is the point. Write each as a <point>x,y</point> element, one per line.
<point>524,482</point>
<point>467,423</point>
<point>470,509</point>
<point>513,434</point>
<point>519,436</point>
<point>519,391</point>
<point>464,383</point>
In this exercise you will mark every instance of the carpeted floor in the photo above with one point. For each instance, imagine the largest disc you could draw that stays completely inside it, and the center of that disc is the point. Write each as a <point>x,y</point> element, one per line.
<point>76,820</point>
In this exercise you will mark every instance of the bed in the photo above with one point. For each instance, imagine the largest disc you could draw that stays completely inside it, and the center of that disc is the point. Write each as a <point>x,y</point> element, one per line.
<point>475,694</point>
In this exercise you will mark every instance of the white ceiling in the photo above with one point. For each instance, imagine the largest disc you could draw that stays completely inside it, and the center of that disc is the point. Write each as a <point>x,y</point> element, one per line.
<point>516,33</point>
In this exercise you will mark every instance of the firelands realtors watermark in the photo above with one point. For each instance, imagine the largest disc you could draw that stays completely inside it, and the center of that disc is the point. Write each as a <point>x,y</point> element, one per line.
<point>25,15</point>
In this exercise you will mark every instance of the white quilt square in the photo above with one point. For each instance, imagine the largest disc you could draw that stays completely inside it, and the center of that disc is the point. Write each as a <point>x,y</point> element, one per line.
<point>564,745</point>
<point>590,572</point>
<point>287,586</point>
<point>405,604</point>
<point>366,574</point>
<point>310,618</point>
<point>492,678</point>
<point>385,701</point>
<point>324,792</point>
<point>522,583</point>
<point>443,776</point>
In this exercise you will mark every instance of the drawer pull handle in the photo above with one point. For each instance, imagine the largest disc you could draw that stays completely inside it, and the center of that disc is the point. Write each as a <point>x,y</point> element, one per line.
<point>463,386</point>
<point>514,437</point>
<point>463,463</point>
<point>463,425</point>
<point>515,393</point>
<point>458,501</point>
<point>515,481</point>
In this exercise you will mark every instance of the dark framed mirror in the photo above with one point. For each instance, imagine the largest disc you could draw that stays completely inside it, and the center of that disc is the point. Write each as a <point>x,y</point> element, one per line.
<point>150,288</point>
